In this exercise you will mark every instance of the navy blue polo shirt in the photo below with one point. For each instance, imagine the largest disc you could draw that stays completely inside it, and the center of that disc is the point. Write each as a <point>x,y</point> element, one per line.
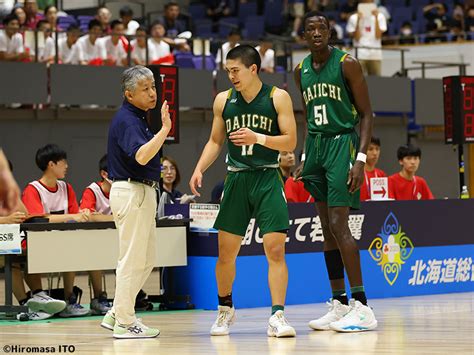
<point>128,131</point>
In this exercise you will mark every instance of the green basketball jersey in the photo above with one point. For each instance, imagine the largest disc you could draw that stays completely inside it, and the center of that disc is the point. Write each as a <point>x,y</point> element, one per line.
<point>329,104</point>
<point>261,117</point>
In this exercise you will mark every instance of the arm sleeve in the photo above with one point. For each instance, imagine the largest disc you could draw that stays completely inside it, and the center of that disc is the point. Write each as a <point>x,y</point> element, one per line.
<point>32,200</point>
<point>72,205</point>
<point>88,200</point>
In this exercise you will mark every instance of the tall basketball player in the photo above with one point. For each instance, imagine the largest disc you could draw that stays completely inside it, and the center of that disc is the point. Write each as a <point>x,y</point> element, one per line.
<point>335,98</point>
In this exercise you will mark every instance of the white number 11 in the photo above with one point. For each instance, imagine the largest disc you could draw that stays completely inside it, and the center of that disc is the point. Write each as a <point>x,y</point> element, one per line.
<point>247,150</point>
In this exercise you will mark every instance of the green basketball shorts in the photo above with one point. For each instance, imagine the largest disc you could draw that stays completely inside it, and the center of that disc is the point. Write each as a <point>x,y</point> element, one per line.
<point>255,194</point>
<point>326,168</point>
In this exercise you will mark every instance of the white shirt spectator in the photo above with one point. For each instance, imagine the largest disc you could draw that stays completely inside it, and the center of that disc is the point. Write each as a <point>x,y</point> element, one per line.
<point>84,50</point>
<point>13,45</point>
<point>268,59</point>
<point>225,49</point>
<point>139,53</point>
<point>158,50</point>
<point>367,38</point>
<point>114,52</point>
<point>65,52</point>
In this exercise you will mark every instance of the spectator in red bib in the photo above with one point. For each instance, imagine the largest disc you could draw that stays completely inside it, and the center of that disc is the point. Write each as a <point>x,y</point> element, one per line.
<point>55,198</point>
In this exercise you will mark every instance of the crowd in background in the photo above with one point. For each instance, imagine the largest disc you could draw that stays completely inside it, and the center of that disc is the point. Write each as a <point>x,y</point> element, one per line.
<point>166,38</point>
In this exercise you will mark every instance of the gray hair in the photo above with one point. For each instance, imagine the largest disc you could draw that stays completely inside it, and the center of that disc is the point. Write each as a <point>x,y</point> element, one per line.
<point>133,75</point>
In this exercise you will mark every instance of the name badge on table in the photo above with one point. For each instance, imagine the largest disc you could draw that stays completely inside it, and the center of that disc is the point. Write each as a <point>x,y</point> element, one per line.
<point>10,239</point>
<point>379,188</point>
<point>203,217</point>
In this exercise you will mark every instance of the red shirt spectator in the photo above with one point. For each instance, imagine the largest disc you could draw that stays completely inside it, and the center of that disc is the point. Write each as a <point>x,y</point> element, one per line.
<point>32,15</point>
<point>365,188</point>
<point>35,205</point>
<point>89,200</point>
<point>295,191</point>
<point>404,189</point>
<point>405,185</point>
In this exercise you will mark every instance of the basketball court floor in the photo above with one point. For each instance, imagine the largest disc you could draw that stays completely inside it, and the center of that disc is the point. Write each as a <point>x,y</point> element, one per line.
<point>435,324</point>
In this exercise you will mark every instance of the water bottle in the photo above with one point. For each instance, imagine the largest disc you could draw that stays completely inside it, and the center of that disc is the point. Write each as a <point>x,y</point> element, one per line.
<point>464,192</point>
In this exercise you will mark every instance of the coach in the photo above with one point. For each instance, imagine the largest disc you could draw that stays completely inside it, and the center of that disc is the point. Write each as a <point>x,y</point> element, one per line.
<point>134,168</point>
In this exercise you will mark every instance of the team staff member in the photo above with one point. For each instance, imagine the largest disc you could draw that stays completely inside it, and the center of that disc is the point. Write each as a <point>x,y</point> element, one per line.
<point>134,166</point>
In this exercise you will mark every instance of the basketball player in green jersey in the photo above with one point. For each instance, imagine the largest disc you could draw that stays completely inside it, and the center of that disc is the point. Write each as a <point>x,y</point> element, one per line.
<point>335,97</point>
<point>258,122</point>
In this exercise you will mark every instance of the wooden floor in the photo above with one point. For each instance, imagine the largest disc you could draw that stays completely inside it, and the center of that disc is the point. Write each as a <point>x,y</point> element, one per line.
<point>440,324</point>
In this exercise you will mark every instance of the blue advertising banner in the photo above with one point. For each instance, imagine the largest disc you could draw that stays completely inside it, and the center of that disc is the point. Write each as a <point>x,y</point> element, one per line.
<point>407,248</point>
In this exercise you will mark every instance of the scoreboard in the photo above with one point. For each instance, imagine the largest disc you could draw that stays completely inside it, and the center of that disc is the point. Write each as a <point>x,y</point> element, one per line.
<point>458,94</point>
<point>166,81</point>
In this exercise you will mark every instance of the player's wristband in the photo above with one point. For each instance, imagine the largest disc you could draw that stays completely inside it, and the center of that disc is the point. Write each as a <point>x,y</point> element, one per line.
<point>362,157</point>
<point>261,138</point>
<point>303,157</point>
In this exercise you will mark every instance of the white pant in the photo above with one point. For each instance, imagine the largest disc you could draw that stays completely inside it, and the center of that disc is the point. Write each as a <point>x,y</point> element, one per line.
<point>134,208</point>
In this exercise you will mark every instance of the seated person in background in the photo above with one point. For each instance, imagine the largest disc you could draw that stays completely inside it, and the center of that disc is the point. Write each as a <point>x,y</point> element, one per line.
<point>233,39</point>
<point>437,17</point>
<point>174,26</point>
<point>44,29</point>
<point>406,33</point>
<point>139,48</point>
<point>95,198</point>
<point>160,52</point>
<point>370,171</point>
<point>267,54</point>
<point>65,46</point>
<point>171,179</point>
<point>103,15</point>
<point>126,15</point>
<point>11,41</point>
<point>56,199</point>
<point>217,9</point>
<point>287,163</point>
<point>32,14</point>
<point>51,15</point>
<point>21,15</point>
<point>469,23</point>
<point>116,45</point>
<point>294,188</point>
<point>405,185</point>
<point>40,305</point>
<point>88,49</point>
